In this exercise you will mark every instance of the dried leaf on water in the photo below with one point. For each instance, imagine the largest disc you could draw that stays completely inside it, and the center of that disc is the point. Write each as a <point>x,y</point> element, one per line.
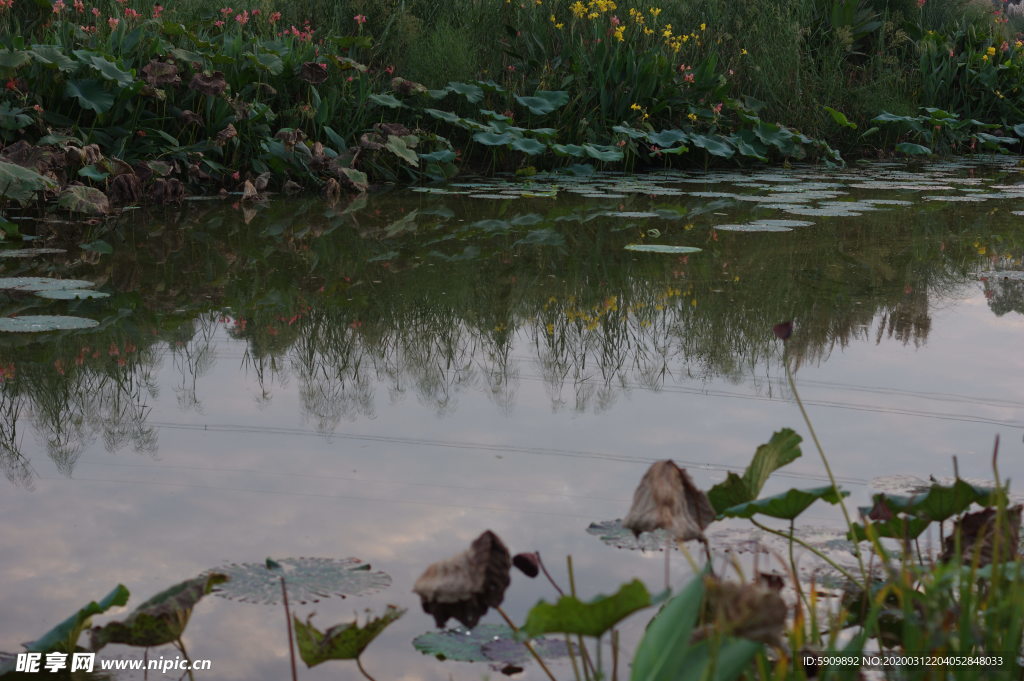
<point>668,499</point>
<point>466,585</point>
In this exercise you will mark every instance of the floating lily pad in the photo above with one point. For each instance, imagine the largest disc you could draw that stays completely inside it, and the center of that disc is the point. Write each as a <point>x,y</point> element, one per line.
<point>40,323</point>
<point>71,294</point>
<point>752,227</point>
<point>662,248</point>
<point>42,284</point>
<point>612,532</point>
<point>630,214</point>
<point>30,252</point>
<point>485,643</point>
<point>307,580</point>
<point>783,223</point>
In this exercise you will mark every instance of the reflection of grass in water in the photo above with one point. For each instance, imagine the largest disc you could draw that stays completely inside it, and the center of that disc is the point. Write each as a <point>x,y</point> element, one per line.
<point>312,304</point>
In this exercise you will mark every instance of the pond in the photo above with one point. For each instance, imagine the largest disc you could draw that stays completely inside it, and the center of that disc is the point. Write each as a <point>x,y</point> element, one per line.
<point>387,377</point>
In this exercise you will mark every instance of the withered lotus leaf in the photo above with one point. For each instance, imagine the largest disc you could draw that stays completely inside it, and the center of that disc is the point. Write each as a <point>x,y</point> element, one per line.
<point>668,499</point>
<point>224,135</point>
<point>976,533</point>
<point>313,72</point>
<point>753,611</point>
<point>213,84</point>
<point>126,188</point>
<point>466,585</point>
<point>159,73</point>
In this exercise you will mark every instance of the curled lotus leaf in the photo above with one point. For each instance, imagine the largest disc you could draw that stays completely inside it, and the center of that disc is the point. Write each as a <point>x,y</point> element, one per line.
<point>213,84</point>
<point>668,499</point>
<point>160,620</point>
<point>313,72</point>
<point>466,585</point>
<point>306,579</point>
<point>160,73</point>
<point>342,641</point>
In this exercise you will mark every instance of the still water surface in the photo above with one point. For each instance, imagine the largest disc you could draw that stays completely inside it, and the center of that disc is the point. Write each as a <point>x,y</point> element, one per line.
<point>387,378</point>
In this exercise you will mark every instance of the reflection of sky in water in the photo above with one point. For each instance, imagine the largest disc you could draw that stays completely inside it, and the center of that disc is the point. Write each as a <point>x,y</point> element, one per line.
<point>413,465</point>
<point>239,477</point>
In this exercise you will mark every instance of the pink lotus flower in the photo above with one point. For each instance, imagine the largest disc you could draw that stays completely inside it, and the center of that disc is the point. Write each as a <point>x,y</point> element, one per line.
<point>242,18</point>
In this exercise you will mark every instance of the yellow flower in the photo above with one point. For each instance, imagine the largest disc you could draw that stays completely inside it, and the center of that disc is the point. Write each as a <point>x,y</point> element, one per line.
<point>552,18</point>
<point>551,329</point>
<point>703,27</point>
<point>635,107</point>
<point>559,26</point>
<point>655,11</point>
<point>743,50</point>
<point>578,9</point>
<point>1019,44</point>
<point>692,117</point>
<point>991,51</point>
<point>648,31</point>
<point>668,31</point>
<point>593,15</point>
<point>646,115</point>
<point>984,57</point>
<point>618,33</point>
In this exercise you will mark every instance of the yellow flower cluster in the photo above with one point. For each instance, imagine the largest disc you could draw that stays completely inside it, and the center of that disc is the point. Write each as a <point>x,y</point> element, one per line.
<point>676,42</point>
<point>593,9</point>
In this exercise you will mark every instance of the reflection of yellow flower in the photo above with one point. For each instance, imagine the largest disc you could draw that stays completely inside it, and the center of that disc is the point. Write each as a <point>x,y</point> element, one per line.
<point>551,329</point>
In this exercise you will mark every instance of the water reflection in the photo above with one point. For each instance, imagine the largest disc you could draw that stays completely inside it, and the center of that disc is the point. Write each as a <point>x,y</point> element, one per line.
<point>434,295</point>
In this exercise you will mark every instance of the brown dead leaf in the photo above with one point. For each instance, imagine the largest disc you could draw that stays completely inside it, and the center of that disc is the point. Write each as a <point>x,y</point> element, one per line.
<point>466,585</point>
<point>668,499</point>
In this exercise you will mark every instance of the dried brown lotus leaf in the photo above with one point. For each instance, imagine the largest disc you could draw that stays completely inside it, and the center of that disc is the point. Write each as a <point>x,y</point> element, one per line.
<point>213,84</point>
<point>753,611</point>
<point>668,499</point>
<point>977,536</point>
<point>466,585</point>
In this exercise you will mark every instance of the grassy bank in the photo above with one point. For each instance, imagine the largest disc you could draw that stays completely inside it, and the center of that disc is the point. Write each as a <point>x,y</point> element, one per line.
<point>150,102</point>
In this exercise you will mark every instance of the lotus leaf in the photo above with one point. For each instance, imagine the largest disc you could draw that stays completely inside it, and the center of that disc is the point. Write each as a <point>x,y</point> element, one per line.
<point>307,579</point>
